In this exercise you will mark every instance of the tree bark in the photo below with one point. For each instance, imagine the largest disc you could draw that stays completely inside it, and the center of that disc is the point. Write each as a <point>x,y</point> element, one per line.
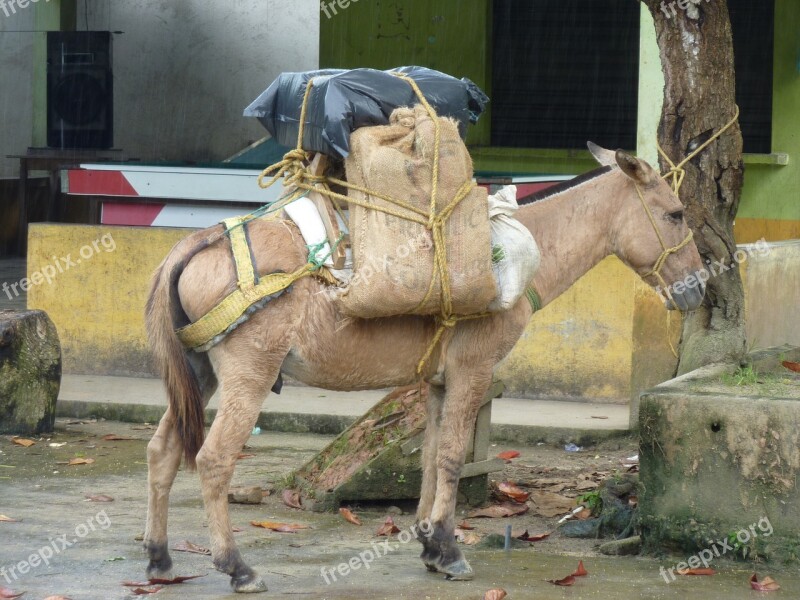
<point>696,48</point>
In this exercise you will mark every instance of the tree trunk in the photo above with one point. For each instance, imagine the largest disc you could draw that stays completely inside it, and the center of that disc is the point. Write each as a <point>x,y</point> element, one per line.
<point>696,48</point>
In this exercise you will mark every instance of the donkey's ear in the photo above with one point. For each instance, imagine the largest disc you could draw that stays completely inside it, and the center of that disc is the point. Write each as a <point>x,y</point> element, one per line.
<point>636,169</point>
<point>605,157</point>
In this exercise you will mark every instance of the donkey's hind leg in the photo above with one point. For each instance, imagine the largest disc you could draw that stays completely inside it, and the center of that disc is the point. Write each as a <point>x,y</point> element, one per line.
<point>428,491</point>
<point>163,459</point>
<point>246,371</point>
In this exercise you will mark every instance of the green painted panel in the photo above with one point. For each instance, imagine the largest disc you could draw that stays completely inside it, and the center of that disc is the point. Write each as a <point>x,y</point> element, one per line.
<point>440,34</point>
<point>773,192</point>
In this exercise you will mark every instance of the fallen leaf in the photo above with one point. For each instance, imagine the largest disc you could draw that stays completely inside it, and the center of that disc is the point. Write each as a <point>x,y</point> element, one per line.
<point>580,571</point>
<point>349,516</point>
<point>388,528</point>
<point>7,594</point>
<point>508,455</point>
<point>468,538</point>
<point>526,537</point>
<point>24,442</point>
<point>291,498</point>
<point>187,546</point>
<point>99,498</point>
<point>768,584</point>
<point>568,580</point>
<point>548,504</point>
<point>507,509</point>
<point>792,366</point>
<point>113,437</point>
<point>141,591</point>
<point>700,571</point>
<point>57,598</point>
<point>158,581</point>
<point>495,594</point>
<point>5,519</point>
<point>512,491</point>
<point>57,445</point>
<point>279,527</point>
<point>599,417</point>
<point>241,455</point>
<point>586,513</point>
<point>80,461</point>
<point>465,525</point>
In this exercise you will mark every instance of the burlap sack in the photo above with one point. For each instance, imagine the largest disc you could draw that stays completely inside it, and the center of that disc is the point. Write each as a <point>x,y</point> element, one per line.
<point>394,258</point>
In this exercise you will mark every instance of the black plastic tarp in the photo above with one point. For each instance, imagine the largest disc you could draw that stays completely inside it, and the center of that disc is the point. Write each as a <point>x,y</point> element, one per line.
<point>341,101</point>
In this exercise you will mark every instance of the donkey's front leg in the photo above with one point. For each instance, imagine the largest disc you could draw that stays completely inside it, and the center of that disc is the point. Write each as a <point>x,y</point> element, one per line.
<point>465,390</point>
<point>242,396</point>
<point>428,490</point>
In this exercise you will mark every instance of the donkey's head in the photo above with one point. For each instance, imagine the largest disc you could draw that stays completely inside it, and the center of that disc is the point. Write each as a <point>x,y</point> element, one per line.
<point>650,234</point>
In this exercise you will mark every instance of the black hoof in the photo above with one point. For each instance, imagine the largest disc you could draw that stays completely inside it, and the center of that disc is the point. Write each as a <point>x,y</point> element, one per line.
<point>248,584</point>
<point>458,571</point>
<point>160,566</point>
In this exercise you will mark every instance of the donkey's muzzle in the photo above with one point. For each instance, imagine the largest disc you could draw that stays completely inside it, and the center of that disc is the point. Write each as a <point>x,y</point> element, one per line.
<point>688,299</point>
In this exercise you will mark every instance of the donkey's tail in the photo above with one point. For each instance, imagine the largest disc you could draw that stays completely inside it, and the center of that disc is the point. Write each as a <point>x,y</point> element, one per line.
<point>163,315</point>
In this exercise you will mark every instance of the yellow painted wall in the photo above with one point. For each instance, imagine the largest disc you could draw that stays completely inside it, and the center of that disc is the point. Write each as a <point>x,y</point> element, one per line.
<point>98,303</point>
<point>606,339</point>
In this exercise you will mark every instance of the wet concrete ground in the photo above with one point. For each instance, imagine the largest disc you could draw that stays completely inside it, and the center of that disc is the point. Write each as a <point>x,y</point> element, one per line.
<point>49,498</point>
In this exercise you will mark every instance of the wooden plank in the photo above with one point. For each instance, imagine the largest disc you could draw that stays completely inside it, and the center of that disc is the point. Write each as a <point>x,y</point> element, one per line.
<point>483,467</point>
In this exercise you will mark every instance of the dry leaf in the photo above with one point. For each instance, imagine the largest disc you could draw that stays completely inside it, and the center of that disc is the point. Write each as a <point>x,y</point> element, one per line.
<point>568,580</point>
<point>495,594</point>
<point>112,437</point>
<point>580,571</point>
<point>509,489</point>
<point>700,571</point>
<point>508,455</point>
<point>7,594</point>
<point>24,442</point>
<point>279,527</point>
<point>507,509</point>
<point>242,455</point>
<point>187,546</point>
<point>349,516</point>
<point>57,598</point>
<point>468,538</point>
<point>5,519</point>
<point>586,513</point>
<point>99,498</point>
<point>388,528</point>
<point>599,417</point>
<point>291,498</point>
<point>548,504</point>
<point>158,581</point>
<point>465,525</point>
<point>526,537</point>
<point>792,366</point>
<point>141,591</point>
<point>768,584</point>
<point>80,461</point>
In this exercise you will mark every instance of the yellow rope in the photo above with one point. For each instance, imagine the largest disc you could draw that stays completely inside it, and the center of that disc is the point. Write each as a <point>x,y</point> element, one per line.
<point>678,174</point>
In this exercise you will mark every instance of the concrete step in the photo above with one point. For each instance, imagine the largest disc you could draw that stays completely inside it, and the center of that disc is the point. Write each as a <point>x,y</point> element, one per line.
<point>313,410</point>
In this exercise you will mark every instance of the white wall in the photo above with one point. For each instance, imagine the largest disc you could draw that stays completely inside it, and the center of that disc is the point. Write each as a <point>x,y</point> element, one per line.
<point>184,70</point>
<point>16,69</point>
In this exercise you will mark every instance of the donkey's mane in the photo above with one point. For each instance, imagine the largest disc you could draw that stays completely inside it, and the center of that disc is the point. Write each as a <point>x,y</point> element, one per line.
<point>563,186</point>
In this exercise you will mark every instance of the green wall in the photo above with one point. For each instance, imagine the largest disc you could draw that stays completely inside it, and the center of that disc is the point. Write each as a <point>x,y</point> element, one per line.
<point>454,37</point>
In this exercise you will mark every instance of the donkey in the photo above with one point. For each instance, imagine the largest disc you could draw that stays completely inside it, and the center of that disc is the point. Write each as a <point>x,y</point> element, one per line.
<point>623,208</point>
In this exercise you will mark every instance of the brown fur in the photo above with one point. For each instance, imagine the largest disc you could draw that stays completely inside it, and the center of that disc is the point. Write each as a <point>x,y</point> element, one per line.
<point>303,334</point>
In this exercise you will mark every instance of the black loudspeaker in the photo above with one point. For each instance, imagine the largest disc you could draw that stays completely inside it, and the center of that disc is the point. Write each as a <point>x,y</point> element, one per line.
<point>79,90</point>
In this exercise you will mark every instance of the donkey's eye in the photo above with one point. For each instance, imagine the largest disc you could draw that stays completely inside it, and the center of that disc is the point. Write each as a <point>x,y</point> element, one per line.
<point>676,215</point>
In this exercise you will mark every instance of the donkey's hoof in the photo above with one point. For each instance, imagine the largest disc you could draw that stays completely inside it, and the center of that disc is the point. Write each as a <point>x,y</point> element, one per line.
<point>248,584</point>
<point>160,570</point>
<point>458,571</point>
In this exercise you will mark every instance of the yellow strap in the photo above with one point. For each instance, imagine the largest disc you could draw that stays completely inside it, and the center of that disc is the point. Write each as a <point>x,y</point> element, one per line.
<point>233,306</point>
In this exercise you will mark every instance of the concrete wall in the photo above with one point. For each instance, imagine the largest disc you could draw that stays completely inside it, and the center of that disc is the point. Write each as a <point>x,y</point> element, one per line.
<point>184,70</point>
<point>16,71</point>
